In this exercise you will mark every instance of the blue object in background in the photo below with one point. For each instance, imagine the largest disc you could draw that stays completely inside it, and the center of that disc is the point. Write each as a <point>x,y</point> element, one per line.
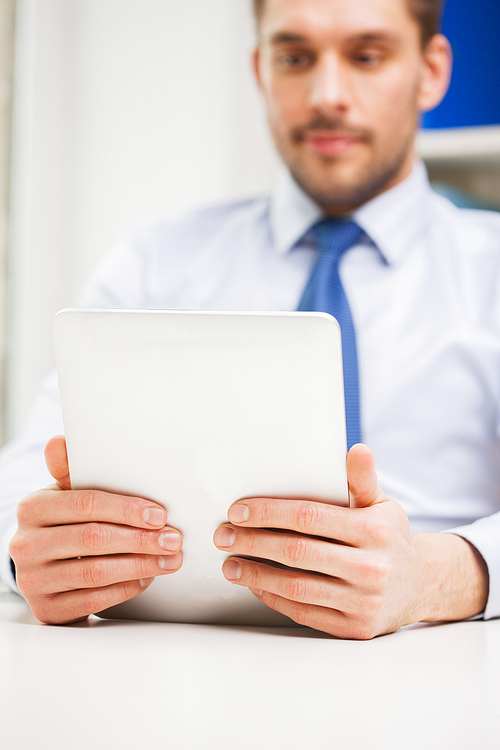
<point>473,28</point>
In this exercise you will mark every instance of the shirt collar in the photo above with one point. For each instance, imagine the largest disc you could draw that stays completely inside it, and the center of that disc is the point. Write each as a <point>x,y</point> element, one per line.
<point>292,212</point>
<point>392,220</point>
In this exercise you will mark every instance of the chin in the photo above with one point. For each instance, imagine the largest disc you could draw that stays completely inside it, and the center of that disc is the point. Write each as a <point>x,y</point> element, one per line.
<point>336,193</point>
<point>338,186</point>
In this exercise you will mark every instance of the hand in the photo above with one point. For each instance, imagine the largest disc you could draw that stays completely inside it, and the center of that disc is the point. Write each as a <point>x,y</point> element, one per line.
<point>352,572</point>
<point>79,552</point>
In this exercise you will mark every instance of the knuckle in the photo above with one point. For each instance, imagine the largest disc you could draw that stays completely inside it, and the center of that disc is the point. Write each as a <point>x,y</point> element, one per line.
<point>376,573</point>
<point>295,589</point>
<point>144,567</point>
<point>300,614</point>
<point>381,574</point>
<point>144,540</point>
<point>26,509</point>
<point>308,515</point>
<point>42,612</point>
<point>248,540</point>
<point>265,510</point>
<point>377,532</point>
<point>22,549</point>
<point>128,512</point>
<point>52,610</point>
<point>364,566</point>
<point>251,573</point>
<point>18,547</point>
<point>272,600</point>
<point>46,610</point>
<point>94,537</point>
<point>85,503</point>
<point>129,590</point>
<point>94,572</point>
<point>94,601</point>
<point>296,550</point>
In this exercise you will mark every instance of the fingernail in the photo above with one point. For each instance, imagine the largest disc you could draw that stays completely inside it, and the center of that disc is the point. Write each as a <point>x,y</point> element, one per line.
<point>170,540</point>
<point>232,570</point>
<point>257,592</point>
<point>224,537</point>
<point>169,563</point>
<point>239,513</point>
<point>154,516</point>
<point>145,582</point>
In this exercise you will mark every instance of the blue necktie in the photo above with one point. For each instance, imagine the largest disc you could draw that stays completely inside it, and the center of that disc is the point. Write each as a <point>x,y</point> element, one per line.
<point>324,293</point>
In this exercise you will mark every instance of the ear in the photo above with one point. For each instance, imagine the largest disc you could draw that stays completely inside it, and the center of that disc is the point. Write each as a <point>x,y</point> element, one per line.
<point>437,63</point>
<point>256,66</point>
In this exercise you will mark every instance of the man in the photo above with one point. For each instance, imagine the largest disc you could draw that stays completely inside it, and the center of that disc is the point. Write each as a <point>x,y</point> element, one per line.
<point>344,85</point>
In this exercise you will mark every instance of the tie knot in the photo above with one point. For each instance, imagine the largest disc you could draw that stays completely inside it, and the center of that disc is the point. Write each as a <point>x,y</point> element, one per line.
<point>336,235</point>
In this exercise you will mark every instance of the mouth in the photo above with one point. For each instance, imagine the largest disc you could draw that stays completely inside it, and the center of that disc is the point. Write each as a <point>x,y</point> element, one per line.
<point>330,143</point>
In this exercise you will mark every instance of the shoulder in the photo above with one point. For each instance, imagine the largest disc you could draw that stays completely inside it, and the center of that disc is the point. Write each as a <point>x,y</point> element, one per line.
<point>191,232</point>
<point>470,227</point>
<point>468,243</point>
<point>471,236</point>
<point>161,253</point>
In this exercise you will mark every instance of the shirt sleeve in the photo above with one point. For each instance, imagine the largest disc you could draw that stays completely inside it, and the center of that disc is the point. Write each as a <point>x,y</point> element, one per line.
<point>121,279</point>
<point>484,535</point>
<point>119,282</point>
<point>22,467</point>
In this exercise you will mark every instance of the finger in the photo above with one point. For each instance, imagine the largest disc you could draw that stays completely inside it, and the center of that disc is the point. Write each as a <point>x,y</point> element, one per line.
<point>93,540</point>
<point>49,508</point>
<point>76,605</point>
<point>98,572</point>
<point>307,517</point>
<point>296,586</point>
<point>331,619</point>
<point>324,619</point>
<point>293,550</point>
<point>56,458</point>
<point>362,478</point>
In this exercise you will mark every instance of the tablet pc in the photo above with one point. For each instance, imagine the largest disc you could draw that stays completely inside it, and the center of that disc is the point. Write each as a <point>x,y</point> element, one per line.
<point>196,410</point>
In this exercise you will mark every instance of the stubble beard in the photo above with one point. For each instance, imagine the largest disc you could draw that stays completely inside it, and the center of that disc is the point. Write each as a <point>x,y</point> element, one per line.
<point>337,195</point>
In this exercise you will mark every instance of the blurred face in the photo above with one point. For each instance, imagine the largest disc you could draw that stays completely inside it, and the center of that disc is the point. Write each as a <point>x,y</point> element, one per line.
<point>344,83</point>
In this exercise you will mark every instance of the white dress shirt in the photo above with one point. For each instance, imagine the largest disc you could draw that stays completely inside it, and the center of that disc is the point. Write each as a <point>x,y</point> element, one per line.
<point>424,292</point>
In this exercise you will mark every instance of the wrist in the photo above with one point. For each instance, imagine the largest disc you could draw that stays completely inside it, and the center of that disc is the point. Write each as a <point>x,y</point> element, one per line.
<point>453,578</point>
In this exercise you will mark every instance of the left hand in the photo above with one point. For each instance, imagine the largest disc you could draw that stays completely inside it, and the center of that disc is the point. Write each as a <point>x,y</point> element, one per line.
<point>352,572</point>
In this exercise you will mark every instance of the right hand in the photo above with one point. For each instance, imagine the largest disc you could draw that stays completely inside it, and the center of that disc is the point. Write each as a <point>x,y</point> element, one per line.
<point>78,552</point>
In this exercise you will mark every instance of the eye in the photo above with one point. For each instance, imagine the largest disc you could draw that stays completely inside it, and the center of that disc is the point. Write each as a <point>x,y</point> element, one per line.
<point>367,59</point>
<point>294,61</point>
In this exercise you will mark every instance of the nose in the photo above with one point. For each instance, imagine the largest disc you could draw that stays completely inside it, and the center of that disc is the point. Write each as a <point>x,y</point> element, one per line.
<point>329,88</point>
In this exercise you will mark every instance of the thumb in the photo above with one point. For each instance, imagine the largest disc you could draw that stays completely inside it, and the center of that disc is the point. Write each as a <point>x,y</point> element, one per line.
<point>362,478</point>
<point>56,458</point>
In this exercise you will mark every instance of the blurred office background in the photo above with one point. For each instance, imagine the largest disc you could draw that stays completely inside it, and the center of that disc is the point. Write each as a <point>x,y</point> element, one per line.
<point>113,111</point>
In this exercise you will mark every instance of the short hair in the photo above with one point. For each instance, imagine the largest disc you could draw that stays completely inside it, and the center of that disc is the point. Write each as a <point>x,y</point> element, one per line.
<point>427,13</point>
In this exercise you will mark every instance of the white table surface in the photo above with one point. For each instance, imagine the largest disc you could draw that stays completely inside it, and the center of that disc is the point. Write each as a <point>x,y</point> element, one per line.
<point>111,684</point>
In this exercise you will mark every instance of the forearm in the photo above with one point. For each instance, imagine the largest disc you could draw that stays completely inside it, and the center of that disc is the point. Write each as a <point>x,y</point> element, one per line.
<point>453,578</point>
